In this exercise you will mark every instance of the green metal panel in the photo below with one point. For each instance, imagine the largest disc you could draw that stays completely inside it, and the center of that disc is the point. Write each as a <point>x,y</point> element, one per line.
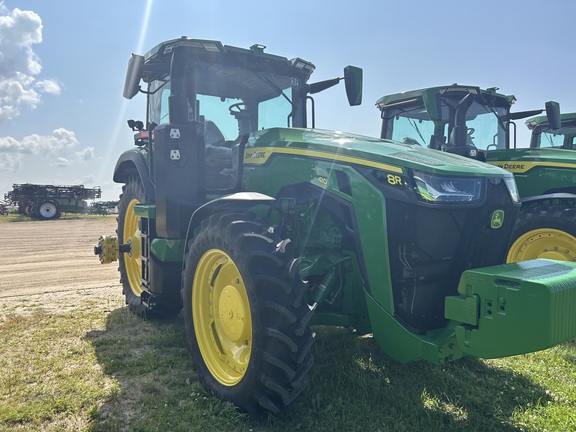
<point>145,211</point>
<point>368,205</point>
<point>523,307</point>
<point>168,250</point>
<point>537,171</point>
<point>437,346</point>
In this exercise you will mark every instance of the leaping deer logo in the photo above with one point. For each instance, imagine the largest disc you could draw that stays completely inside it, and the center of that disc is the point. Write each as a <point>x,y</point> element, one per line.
<point>497,219</point>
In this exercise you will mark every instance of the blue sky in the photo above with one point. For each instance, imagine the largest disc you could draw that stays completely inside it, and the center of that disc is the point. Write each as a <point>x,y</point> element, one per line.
<point>63,63</point>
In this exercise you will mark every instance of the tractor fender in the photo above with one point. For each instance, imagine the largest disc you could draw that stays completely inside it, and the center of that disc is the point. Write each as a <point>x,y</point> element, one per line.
<point>133,163</point>
<point>240,201</point>
<point>549,196</point>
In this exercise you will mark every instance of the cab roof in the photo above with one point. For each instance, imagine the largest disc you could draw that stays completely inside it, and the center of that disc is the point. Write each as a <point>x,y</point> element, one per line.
<point>565,120</point>
<point>416,94</point>
<point>157,60</point>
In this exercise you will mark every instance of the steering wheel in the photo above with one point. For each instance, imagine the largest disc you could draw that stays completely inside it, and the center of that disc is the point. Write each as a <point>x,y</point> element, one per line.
<point>237,108</point>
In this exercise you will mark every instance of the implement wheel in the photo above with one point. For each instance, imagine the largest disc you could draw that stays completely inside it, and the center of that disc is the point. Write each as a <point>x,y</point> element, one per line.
<point>544,232</point>
<point>130,266</point>
<point>245,314</point>
<point>47,210</point>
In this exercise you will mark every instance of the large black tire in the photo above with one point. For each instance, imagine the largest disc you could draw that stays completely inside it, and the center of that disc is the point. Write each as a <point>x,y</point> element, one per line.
<point>130,266</point>
<point>46,210</point>
<point>245,314</point>
<point>544,232</point>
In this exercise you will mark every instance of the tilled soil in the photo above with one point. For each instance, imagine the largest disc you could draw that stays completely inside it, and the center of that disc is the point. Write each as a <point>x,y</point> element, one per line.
<point>51,264</point>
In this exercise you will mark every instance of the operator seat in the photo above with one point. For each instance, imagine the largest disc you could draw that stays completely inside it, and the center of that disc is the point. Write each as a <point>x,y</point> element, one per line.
<point>218,158</point>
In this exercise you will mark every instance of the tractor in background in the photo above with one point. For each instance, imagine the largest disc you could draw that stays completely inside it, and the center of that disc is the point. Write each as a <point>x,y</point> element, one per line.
<point>478,124</point>
<point>239,212</point>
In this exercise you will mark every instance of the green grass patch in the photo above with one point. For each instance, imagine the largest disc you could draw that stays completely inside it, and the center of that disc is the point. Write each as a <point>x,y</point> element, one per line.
<point>94,370</point>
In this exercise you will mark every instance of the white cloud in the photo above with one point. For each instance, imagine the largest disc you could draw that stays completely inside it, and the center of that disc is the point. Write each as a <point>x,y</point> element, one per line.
<point>54,145</point>
<point>10,162</point>
<point>48,86</point>
<point>61,162</point>
<point>19,65</point>
<point>86,154</point>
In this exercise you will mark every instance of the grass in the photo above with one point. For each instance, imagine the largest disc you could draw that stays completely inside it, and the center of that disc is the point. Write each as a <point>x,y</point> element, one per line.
<point>104,369</point>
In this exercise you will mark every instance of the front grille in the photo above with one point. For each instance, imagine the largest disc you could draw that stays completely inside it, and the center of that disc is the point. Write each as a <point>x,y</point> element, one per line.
<point>430,246</point>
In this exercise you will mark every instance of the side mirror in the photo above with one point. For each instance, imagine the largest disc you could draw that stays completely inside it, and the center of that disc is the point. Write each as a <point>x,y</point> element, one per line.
<point>353,82</point>
<point>133,75</point>
<point>553,114</point>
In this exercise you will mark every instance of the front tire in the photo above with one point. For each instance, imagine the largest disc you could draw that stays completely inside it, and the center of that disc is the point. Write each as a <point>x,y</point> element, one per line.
<point>544,232</point>
<point>130,267</point>
<point>245,314</point>
<point>47,210</point>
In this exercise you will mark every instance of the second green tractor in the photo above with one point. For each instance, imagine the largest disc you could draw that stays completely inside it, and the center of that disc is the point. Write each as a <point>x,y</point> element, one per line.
<point>478,124</point>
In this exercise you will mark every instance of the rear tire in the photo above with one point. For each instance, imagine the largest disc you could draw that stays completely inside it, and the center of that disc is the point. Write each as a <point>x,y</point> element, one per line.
<point>544,232</point>
<point>245,315</point>
<point>130,267</point>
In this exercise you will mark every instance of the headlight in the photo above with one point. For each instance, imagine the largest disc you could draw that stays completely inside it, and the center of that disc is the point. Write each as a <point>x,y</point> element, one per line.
<point>447,189</point>
<point>512,189</point>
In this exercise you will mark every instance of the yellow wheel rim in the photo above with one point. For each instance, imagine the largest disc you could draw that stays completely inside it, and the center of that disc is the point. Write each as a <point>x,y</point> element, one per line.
<point>132,262</point>
<point>221,316</point>
<point>543,243</point>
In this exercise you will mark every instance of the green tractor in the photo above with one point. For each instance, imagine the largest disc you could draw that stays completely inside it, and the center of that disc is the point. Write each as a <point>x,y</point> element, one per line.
<point>478,124</point>
<point>259,227</point>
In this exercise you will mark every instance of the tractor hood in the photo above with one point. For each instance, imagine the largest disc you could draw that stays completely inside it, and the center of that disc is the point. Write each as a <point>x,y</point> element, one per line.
<point>360,150</point>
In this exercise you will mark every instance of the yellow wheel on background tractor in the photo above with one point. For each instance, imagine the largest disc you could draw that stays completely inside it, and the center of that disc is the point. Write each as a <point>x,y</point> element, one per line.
<point>245,313</point>
<point>222,318</point>
<point>544,232</point>
<point>543,243</point>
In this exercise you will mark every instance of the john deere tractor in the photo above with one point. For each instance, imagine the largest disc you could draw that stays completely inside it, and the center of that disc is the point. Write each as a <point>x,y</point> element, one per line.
<point>478,124</point>
<point>258,225</point>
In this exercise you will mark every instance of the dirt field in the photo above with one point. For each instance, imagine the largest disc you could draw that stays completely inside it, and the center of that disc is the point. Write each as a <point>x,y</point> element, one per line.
<point>51,264</point>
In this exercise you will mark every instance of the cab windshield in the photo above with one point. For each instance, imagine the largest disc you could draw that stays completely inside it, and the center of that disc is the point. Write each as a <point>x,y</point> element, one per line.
<point>565,138</point>
<point>236,100</point>
<point>411,123</point>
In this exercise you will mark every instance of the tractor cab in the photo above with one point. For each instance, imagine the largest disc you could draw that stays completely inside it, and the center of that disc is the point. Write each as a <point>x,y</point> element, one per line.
<point>545,135</point>
<point>203,100</point>
<point>458,119</point>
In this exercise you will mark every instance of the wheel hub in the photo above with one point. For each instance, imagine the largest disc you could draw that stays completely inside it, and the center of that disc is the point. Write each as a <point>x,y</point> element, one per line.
<point>48,210</point>
<point>232,313</point>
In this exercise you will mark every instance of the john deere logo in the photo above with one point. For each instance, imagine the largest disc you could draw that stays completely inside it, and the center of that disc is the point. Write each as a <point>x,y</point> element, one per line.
<point>497,219</point>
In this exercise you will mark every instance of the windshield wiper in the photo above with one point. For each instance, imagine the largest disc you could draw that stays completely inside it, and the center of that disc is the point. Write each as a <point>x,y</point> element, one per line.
<point>415,126</point>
